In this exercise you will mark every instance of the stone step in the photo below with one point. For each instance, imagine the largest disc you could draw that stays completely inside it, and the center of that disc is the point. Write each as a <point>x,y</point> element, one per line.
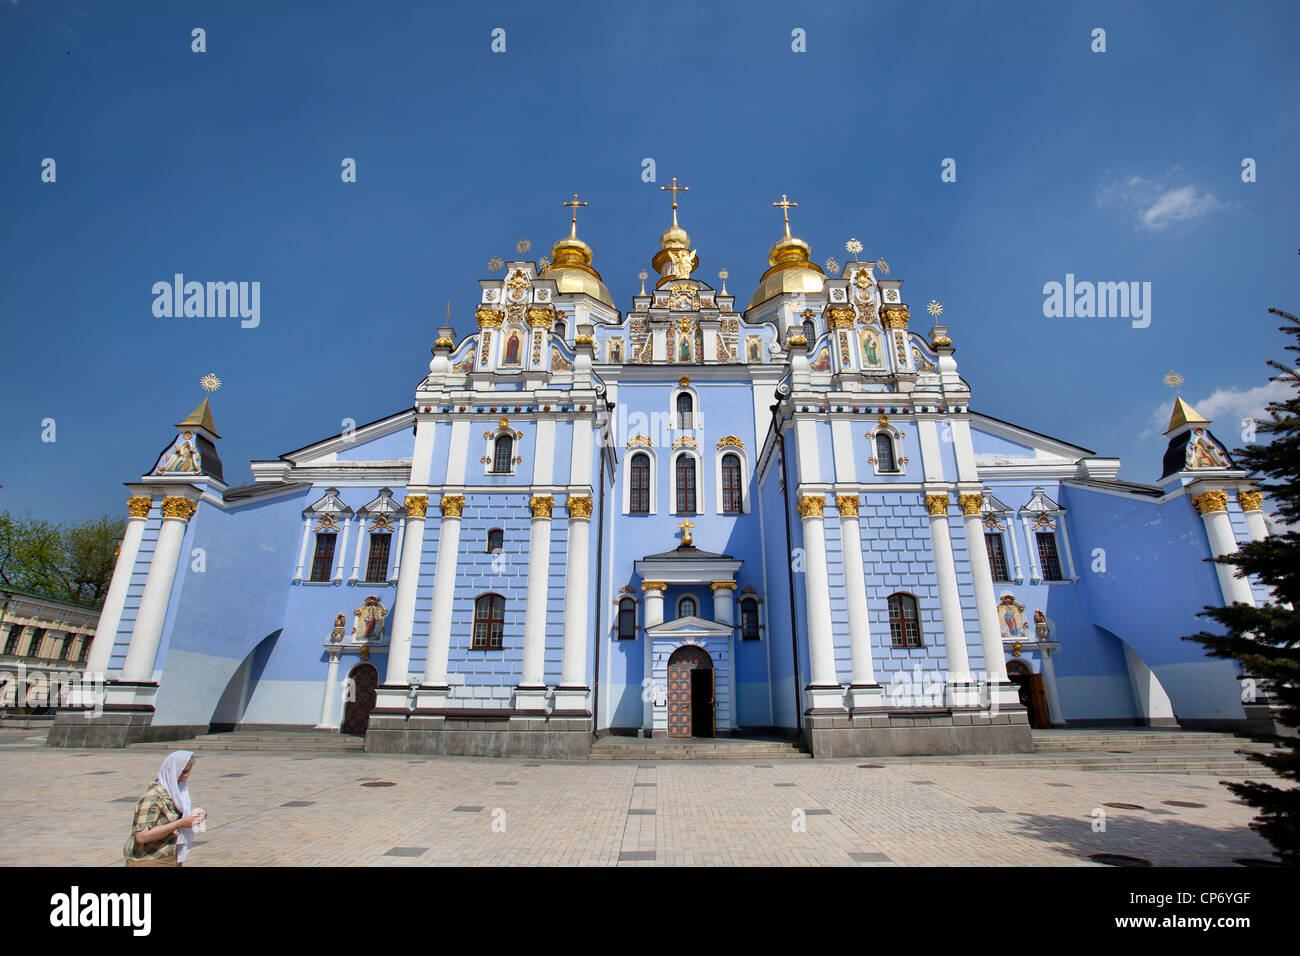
<point>697,755</point>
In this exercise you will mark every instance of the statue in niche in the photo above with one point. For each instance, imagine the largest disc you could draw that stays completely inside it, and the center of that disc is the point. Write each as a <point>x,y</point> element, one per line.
<point>336,635</point>
<point>1042,630</point>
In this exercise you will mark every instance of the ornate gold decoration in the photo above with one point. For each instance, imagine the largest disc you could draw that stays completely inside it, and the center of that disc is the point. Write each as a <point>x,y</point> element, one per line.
<point>1016,648</point>
<point>495,264</point>
<point>675,189</point>
<point>452,505</point>
<point>543,264</point>
<point>1044,520</point>
<point>722,585</point>
<point>541,505</point>
<point>643,275</point>
<point>936,504</point>
<point>573,230</point>
<point>798,339</point>
<point>993,523</point>
<point>209,383</point>
<point>326,523</point>
<point>444,343</point>
<point>686,441</point>
<point>1250,500</point>
<point>832,265</point>
<point>488,318</point>
<point>182,508</point>
<point>1210,501</point>
<point>785,205</point>
<point>839,317</point>
<point>722,274</point>
<point>579,507</point>
<point>541,317</point>
<point>810,506</point>
<point>640,440</point>
<point>417,506</point>
<point>684,381</point>
<point>883,266</point>
<point>523,245</point>
<point>940,341</point>
<point>504,423</point>
<point>139,507</point>
<point>726,440</point>
<point>934,308</point>
<point>583,340</point>
<point>848,505</point>
<point>653,586</point>
<point>894,316</point>
<point>883,421</point>
<point>686,525</point>
<point>853,247</point>
<point>971,504</point>
<point>1173,379</point>
<point>381,523</point>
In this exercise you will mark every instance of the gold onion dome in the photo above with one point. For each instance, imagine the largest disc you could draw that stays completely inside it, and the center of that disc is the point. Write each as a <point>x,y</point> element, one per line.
<point>791,267</point>
<point>571,265</point>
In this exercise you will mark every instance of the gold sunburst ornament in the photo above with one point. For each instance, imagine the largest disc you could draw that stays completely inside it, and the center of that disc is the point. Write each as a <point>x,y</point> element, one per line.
<point>853,247</point>
<point>934,308</point>
<point>722,274</point>
<point>643,275</point>
<point>523,245</point>
<point>495,264</point>
<point>543,263</point>
<point>883,266</point>
<point>832,266</point>
<point>1173,380</point>
<point>209,383</point>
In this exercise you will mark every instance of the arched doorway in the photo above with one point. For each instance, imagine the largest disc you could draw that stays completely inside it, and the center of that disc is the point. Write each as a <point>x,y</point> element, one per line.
<point>362,679</point>
<point>1032,694</point>
<point>690,692</point>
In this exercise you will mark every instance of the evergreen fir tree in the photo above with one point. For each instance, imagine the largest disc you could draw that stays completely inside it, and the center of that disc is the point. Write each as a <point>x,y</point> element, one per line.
<point>1266,640</point>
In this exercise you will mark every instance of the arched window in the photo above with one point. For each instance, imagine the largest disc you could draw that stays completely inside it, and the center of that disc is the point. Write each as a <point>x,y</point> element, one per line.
<point>904,622</point>
<point>639,501</point>
<point>686,485</point>
<point>809,330</point>
<point>685,411</point>
<point>687,607</point>
<point>749,620</point>
<point>495,540</point>
<point>626,619</point>
<point>885,460</point>
<point>559,329</point>
<point>489,621</point>
<point>732,498</point>
<point>503,451</point>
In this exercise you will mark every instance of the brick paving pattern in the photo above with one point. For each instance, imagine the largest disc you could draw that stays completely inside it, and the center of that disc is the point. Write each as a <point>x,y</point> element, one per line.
<point>267,809</point>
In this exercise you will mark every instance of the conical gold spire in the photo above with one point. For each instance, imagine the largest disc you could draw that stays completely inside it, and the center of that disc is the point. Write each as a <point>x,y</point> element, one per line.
<point>201,417</point>
<point>1184,414</point>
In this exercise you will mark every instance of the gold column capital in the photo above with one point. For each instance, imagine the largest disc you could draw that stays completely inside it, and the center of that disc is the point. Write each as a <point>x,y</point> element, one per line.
<point>971,504</point>
<point>722,585</point>
<point>182,508</point>
<point>541,317</point>
<point>840,317</point>
<point>848,505</point>
<point>417,506</point>
<point>488,318</point>
<point>1251,500</point>
<point>541,505</point>
<point>653,586</point>
<point>138,507</point>
<point>810,506</point>
<point>452,505</point>
<point>894,316</point>
<point>1208,502</point>
<point>936,504</point>
<point>579,507</point>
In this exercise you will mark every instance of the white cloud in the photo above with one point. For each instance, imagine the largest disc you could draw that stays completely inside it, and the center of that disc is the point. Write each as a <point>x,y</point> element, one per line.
<point>1156,204</point>
<point>1227,408</point>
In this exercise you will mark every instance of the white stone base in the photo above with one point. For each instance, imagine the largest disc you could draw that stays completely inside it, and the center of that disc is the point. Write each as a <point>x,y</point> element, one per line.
<point>866,695</point>
<point>572,699</point>
<point>825,698</point>
<point>531,699</point>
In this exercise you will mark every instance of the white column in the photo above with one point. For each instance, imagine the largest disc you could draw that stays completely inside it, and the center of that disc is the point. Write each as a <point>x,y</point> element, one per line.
<point>531,692</point>
<point>724,602</point>
<point>444,580</point>
<point>1015,547</point>
<point>1032,543</point>
<point>302,548</point>
<point>343,549</point>
<point>1213,506</point>
<point>327,703</point>
<point>986,602</point>
<point>864,692</point>
<point>572,693</point>
<point>110,618</point>
<point>823,685</point>
<point>1251,505</point>
<point>147,633</point>
<point>653,593</point>
<point>399,642</point>
<point>361,537</point>
<point>1065,545</point>
<point>397,547</point>
<point>954,632</point>
<point>1049,684</point>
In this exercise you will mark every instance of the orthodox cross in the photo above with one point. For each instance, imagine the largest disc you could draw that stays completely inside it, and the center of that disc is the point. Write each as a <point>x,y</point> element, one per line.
<point>675,190</point>
<point>786,204</point>
<point>686,527</point>
<point>573,230</point>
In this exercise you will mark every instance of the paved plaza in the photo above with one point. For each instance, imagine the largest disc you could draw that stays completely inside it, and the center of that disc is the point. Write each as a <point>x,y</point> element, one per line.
<point>73,807</point>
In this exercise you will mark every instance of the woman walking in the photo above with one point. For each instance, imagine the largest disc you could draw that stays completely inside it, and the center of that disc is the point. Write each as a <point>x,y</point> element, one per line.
<point>161,834</point>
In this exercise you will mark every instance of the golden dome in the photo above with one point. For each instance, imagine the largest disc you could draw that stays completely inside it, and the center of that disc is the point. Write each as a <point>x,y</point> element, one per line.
<point>791,271</point>
<point>571,269</point>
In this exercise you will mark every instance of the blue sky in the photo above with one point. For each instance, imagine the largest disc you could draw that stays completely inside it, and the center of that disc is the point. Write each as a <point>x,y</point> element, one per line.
<point>224,166</point>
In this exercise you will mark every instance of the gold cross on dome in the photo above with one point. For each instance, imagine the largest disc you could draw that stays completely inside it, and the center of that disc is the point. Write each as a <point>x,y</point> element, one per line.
<point>786,206</point>
<point>573,230</point>
<point>686,527</point>
<point>675,190</point>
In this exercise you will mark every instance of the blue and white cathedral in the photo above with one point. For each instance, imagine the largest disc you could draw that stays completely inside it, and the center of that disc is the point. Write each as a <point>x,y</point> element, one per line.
<point>689,520</point>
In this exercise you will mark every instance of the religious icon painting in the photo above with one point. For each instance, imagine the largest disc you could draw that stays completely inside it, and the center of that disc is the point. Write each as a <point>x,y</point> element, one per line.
<point>822,363</point>
<point>181,457</point>
<point>870,349</point>
<point>1011,617</point>
<point>615,351</point>
<point>753,348</point>
<point>514,342</point>
<point>558,362</point>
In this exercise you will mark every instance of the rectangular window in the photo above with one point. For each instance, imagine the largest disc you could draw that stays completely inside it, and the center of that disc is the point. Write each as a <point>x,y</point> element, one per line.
<point>1048,558</point>
<point>997,557</point>
<point>377,562</point>
<point>323,560</point>
<point>686,485</point>
<point>34,646</point>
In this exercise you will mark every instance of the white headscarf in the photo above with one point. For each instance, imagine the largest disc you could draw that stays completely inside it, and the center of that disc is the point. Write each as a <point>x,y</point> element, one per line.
<point>172,767</point>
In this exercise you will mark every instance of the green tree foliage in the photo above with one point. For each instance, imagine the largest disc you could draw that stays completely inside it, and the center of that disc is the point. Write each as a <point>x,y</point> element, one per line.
<point>1264,639</point>
<point>64,562</point>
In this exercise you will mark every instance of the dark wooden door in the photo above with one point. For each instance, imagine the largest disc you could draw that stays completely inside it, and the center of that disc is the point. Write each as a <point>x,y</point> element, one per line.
<point>356,712</point>
<point>1033,697</point>
<point>679,700</point>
